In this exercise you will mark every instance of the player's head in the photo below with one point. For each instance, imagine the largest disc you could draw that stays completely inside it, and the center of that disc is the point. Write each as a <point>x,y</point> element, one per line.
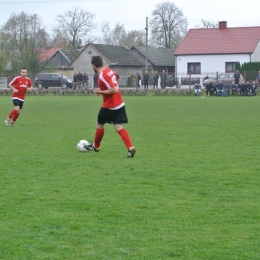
<point>96,62</point>
<point>23,72</point>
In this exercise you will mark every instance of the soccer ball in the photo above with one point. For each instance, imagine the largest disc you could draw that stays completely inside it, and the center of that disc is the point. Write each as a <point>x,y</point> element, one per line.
<point>80,145</point>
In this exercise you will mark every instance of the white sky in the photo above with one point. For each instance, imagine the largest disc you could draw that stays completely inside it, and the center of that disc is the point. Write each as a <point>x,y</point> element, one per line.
<point>133,13</point>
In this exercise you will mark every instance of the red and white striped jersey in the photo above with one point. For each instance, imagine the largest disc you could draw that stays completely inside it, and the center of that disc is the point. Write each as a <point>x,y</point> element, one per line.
<point>106,80</point>
<point>21,84</point>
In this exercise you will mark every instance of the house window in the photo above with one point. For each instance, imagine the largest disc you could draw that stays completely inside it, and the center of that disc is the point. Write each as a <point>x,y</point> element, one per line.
<point>89,52</point>
<point>231,66</point>
<point>194,68</point>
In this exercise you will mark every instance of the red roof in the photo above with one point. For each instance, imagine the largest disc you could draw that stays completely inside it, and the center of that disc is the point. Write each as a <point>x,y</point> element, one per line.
<point>239,40</point>
<point>47,53</point>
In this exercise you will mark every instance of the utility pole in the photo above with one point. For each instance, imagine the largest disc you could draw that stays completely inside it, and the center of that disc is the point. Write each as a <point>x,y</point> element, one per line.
<point>146,28</point>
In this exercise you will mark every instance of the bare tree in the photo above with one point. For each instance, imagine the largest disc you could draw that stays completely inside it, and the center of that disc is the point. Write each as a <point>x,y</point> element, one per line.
<point>106,34</point>
<point>114,36</point>
<point>168,26</point>
<point>59,41</point>
<point>207,24</point>
<point>119,36</point>
<point>75,25</point>
<point>135,38</point>
<point>22,36</point>
<point>3,62</point>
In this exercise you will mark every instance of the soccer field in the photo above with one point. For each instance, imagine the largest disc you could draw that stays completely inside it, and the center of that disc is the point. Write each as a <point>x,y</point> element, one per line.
<point>191,191</point>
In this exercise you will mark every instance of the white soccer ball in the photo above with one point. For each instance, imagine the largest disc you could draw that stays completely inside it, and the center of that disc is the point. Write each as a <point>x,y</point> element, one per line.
<point>80,145</point>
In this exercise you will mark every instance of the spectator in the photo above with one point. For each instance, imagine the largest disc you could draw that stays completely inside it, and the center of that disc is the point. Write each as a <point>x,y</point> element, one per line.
<point>253,89</point>
<point>163,79</point>
<point>95,80</point>
<point>219,88</point>
<point>197,88</point>
<point>237,77</point>
<point>226,90</point>
<point>75,80</point>
<point>242,89</point>
<point>155,79</point>
<point>80,80</point>
<point>258,77</point>
<point>214,89</point>
<point>209,88</point>
<point>138,78</point>
<point>85,80</point>
<point>233,88</point>
<point>80,76</point>
<point>117,75</point>
<point>247,88</point>
<point>146,78</point>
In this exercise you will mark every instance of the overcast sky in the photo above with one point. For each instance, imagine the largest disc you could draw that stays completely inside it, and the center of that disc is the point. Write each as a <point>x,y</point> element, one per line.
<point>133,13</point>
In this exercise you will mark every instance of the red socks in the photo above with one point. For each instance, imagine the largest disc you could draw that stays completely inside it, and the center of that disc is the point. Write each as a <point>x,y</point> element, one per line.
<point>125,137</point>
<point>15,116</point>
<point>12,114</point>
<point>98,137</point>
<point>123,133</point>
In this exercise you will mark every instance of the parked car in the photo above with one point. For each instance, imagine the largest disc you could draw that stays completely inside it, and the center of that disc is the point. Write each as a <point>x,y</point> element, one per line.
<point>46,80</point>
<point>225,78</point>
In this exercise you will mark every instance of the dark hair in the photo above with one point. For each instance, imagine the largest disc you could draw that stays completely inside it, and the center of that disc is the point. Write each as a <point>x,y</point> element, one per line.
<point>97,61</point>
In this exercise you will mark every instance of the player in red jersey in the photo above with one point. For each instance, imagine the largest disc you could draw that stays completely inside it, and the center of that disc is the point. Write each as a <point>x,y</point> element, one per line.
<point>19,86</point>
<point>113,107</point>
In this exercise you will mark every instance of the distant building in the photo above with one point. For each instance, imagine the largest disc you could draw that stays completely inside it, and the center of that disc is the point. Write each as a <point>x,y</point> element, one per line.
<point>119,58</point>
<point>158,59</point>
<point>206,51</point>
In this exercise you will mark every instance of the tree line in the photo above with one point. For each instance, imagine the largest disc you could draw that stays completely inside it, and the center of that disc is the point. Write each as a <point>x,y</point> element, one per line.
<point>248,69</point>
<point>23,35</point>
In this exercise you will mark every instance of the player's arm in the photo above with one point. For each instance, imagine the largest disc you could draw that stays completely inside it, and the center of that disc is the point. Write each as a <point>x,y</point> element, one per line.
<point>107,91</point>
<point>111,83</point>
<point>12,87</point>
<point>30,88</point>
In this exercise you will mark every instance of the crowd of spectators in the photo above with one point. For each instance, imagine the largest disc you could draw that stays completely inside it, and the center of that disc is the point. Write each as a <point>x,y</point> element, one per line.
<point>80,80</point>
<point>225,89</point>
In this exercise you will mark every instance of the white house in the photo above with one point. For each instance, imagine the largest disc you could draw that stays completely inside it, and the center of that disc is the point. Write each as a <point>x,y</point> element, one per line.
<point>207,51</point>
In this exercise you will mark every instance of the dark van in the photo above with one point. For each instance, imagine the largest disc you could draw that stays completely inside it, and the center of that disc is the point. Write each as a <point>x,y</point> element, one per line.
<point>46,80</point>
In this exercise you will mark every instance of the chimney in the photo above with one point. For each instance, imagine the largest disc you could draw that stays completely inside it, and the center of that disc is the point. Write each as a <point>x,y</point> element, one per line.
<point>222,25</point>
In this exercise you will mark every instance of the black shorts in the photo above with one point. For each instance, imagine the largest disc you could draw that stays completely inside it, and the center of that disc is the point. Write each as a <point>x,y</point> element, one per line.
<point>117,117</point>
<point>18,103</point>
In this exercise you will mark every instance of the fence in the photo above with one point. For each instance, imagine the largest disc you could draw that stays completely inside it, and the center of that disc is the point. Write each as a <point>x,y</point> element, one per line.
<point>186,80</point>
<point>191,79</point>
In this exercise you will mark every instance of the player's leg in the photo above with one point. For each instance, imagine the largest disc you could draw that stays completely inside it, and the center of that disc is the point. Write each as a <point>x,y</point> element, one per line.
<point>103,116</point>
<point>99,134</point>
<point>100,131</point>
<point>18,108</point>
<point>15,117</point>
<point>10,116</point>
<point>124,135</point>
<point>14,114</point>
<point>119,118</point>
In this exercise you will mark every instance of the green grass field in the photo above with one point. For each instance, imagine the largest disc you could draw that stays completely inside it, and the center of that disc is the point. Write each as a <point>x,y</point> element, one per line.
<point>191,192</point>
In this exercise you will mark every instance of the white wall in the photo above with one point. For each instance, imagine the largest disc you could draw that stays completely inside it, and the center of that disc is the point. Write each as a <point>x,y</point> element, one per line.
<point>209,63</point>
<point>256,54</point>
